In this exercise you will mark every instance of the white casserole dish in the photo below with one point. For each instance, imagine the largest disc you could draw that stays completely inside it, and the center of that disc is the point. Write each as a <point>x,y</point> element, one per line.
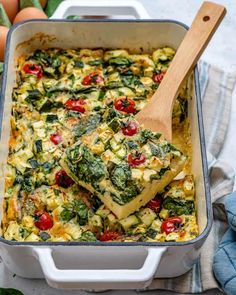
<point>97,265</point>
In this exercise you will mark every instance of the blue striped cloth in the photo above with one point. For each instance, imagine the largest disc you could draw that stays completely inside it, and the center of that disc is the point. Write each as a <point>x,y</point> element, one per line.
<point>224,263</point>
<point>216,92</point>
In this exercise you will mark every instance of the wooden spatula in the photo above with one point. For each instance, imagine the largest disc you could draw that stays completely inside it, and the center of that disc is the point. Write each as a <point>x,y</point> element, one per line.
<point>157,114</point>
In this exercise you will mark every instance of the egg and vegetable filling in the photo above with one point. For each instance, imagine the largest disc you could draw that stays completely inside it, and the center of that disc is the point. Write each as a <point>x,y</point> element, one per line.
<point>79,167</point>
<point>124,164</point>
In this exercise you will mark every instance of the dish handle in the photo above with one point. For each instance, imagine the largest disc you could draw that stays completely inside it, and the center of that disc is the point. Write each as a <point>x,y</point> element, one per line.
<point>101,8</point>
<point>99,278</point>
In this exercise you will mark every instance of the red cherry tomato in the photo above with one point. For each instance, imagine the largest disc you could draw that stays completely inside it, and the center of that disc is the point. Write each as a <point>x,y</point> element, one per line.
<point>130,129</point>
<point>75,105</point>
<point>155,204</point>
<point>33,69</point>
<point>56,138</point>
<point>43,221</point>
<point>158,77</point>
<point>63,180</point>
<point>125,104</point>
<point>136,159</point>
<point>170,224</point>
<point>92,78</point>
<point>109,236</point>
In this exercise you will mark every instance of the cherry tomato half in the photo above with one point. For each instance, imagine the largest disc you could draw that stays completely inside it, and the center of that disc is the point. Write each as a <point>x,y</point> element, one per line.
<point>33,69</point>
<point>125,104</point>
<point>155,204</point>
<point>158,77</point>
<point>170,224</point>
<point>130,129</point>
<point>63,180</point>
<point>92,78</point>
<point>109,236</point>
<point>43,221</point>
<point>56,138</point>
<point>75,105</point>
<point>136,159</point>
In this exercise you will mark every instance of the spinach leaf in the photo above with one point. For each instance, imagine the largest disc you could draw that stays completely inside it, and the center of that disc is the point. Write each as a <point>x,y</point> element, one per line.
<point>87,125</point>
<point>132,145</point>
<point>27,184</point>
<point>96,62</point>
<point>68,212</point>
<point>44,235</point>
<point>33,95</point>
<point>151,233</point>
<point>119,61</point>
<point>79,64</point>
<point>88,236</point>
<point>177,206</point>
<point>76,209</point>
<point>101,95</point>
<point>49,105</point>
<point>146,135</point>
<point>113,84</point>
<point>156,150</point>
<point>114,125</point>
<point>51,118</point>
<point>38,146</point>
<point>81,211</point>
<point>90,168</point>
<point>84,89</point>
<point>131,81</point>
<point>49,60</point>
<point>120,175</point>
<point>33,162</point>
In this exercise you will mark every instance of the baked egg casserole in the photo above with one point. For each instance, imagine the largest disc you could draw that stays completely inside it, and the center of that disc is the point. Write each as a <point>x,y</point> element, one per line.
<point>80,167</point>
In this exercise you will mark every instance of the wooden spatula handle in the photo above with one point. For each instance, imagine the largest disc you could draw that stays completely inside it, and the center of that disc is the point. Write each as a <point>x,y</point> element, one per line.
<point>203,27</point>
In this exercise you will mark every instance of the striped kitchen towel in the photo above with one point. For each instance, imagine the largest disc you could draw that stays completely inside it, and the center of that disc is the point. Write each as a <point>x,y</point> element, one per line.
<point>216,92</point>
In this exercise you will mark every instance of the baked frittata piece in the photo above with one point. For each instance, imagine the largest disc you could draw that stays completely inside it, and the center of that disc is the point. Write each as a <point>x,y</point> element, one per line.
<point>123,163</point>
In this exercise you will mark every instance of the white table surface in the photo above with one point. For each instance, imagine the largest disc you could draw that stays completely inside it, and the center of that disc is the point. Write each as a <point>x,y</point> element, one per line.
<point>221,52</point>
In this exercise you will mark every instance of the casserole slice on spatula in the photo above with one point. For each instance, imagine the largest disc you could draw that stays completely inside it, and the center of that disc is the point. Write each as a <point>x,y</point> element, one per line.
<point>124,163</point>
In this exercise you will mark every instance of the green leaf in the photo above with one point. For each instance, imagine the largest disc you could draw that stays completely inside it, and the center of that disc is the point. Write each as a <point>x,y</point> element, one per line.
<point>120,176</point>
<point>30,3</point>
<point>10,291</point>
<point>96,62</point>
<point>119,61</point>
<point>87,125</point>
<point>52,6</point>
<point>146,134</point>
<point>177,206</point>
<point>88,236</point>
<point>4,20</point>
<point>51,118</point>
<point>38,145</point>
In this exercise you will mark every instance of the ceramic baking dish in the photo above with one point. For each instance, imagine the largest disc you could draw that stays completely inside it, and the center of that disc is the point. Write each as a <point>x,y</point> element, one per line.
<point>98,265</point>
